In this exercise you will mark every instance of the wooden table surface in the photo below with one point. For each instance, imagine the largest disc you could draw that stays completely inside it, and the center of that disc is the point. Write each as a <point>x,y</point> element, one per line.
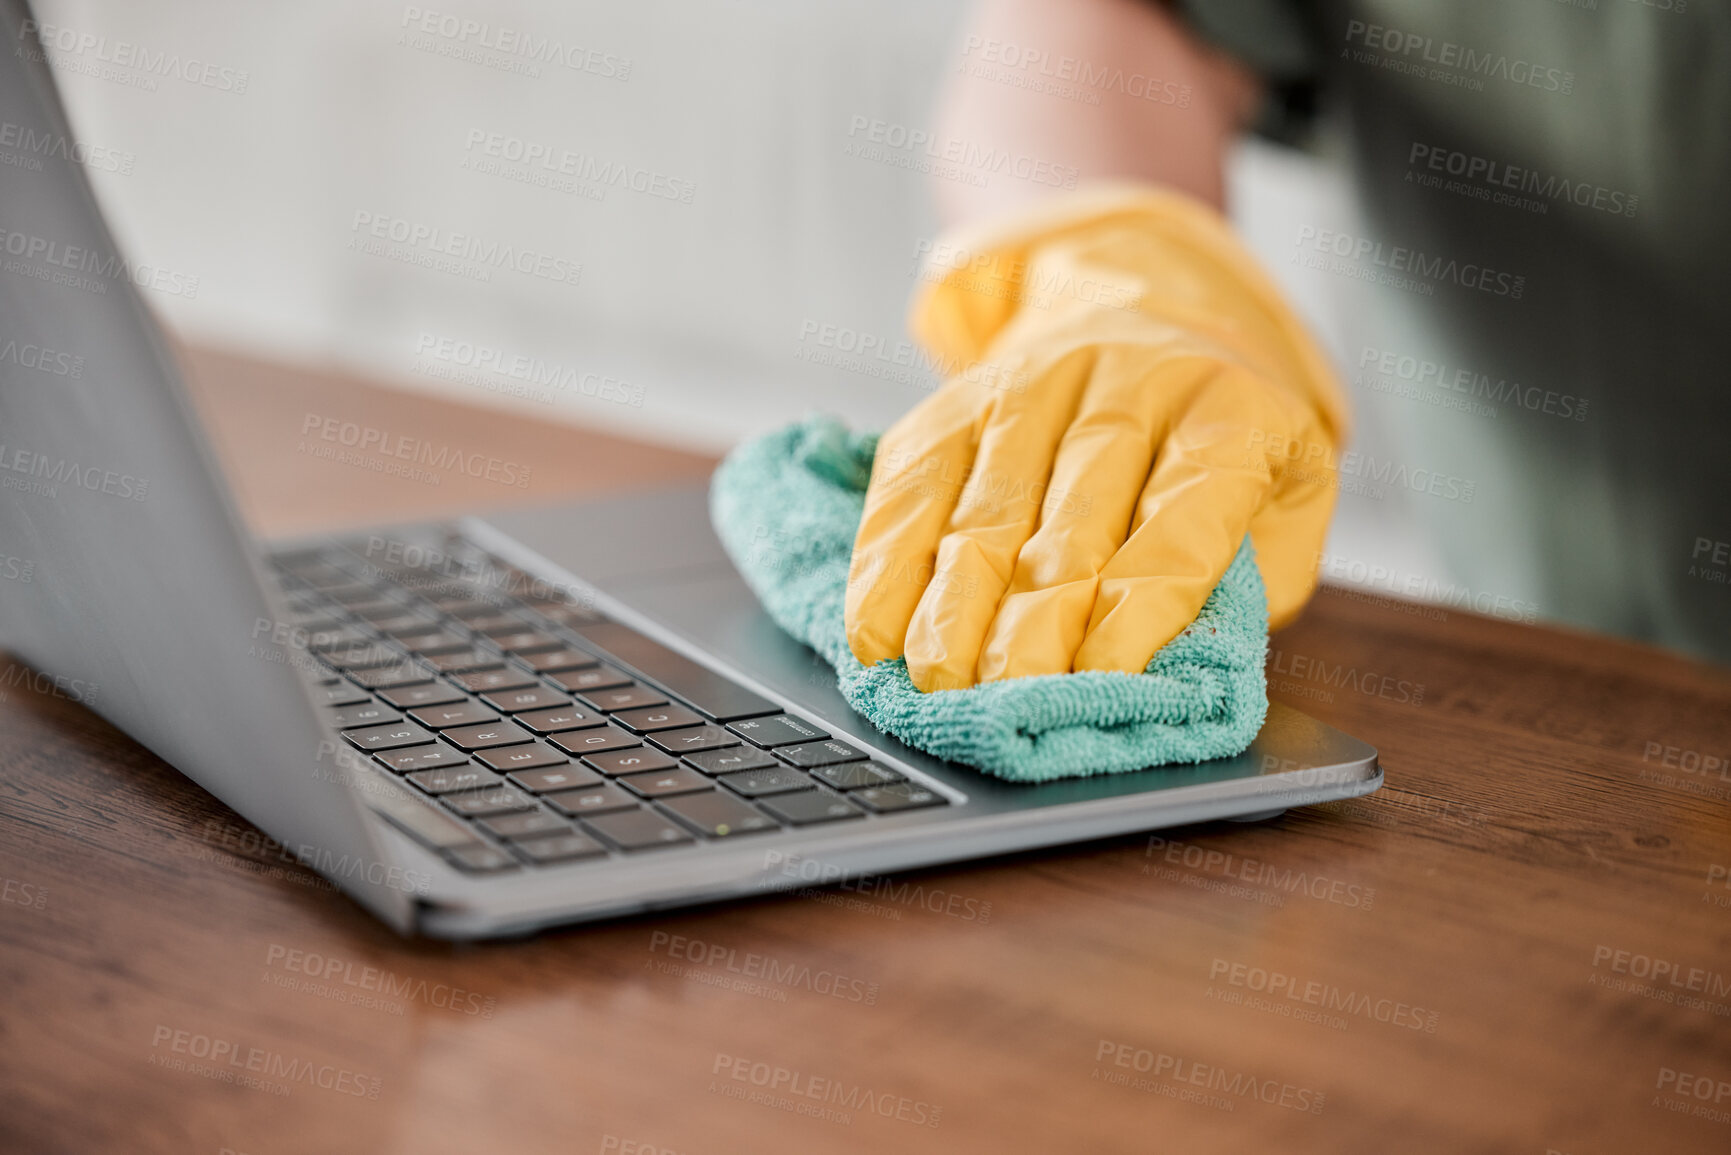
<point>1522,943</point>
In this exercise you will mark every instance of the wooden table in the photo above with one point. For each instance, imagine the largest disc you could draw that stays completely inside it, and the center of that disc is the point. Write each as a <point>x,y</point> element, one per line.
<point>1523,943</point>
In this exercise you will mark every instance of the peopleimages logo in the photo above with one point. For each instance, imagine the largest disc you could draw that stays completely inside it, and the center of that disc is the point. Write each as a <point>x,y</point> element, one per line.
<point>768,968</point>
<point>1068,76</point>
<point>434,243</point>
<point>534,373</point>
<point>515,42</point>
<point>229,1062</point>
<point>1498,182</point>
<point>487,149</point>
<point>987,273</point>
<point>62,263</point>
<point>1208,1076</point>
<point>1696,762</point>
<point>1319,463</point>
<point>1415,54</point>
<point>55,363</point>
<point>1397,266</point>
<point>94,52</point>
<point>872,354</point>
<point>1673,974</point>
<point>1380,576</point>
<point>820,873</point>
<point>1341,676</point>
<point>1469,384</point>
<point>46,473</point>
<point>54,144</point>
<point>916,148</point>
<point>20,893</point>
<point>54,685</point>
<point>1327,996</point>
<point>1284,880</point>
<point>1692,1093</point>
<point>329,969</point>
<point>370,439</point>
<point>784,1088</point>
<point>250,841</point>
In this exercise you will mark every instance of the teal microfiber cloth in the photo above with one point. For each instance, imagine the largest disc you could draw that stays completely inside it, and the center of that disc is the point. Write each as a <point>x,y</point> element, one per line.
<point>786,506</point>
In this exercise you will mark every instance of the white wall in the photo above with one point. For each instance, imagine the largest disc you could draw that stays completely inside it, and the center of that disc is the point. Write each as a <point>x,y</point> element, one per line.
<point>698,306</point>
<point>688,319</point>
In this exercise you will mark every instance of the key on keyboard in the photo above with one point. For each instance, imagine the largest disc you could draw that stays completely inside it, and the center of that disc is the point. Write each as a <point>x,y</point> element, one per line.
<point>437,644</point>
<point>718,814</point>
<point>856,775</point>
<point>595,800</point>
<point>593,741</point>
<point>487,736</point>
<point>524,641</point>
<point>391,677</point>
<point>647,779</point>
<point>561,718</point>
<point>363,714</point>
<point>659,784</point>
<point>621,698</point>
<point>451,780</point>
<point>344,696</point>
<point>657,718</point>
<point>554,661</point>
<point>480,859</point>
<point>567,777</point>
<point>819,753</point>
<point>636,760</point>
<point>637,830</point>
<point>493,623</point>
<point>430,694</point>
<point>427,824</point>
<point>464,660</point>
<point>532,756</point>
<point>531,824</point>
<point>387,737</point>
<point>481,803</point>
<point>493,681</point>
<point>779,730</point>
<point>811,807</point>
<point>595,678</point>
<point>422,758</point>
<point>775,780</point>
<point>361,656</point>
<point>463,713</point>
<point>692,739</point>
<point>727,760</point>
<point>711,693</point>
<point>562,848</point>
<point>898,796</point>
<point>520,701</point>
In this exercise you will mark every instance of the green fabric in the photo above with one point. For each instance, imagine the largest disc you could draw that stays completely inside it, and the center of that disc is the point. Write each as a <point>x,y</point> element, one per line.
<point>1580,147</point>
<point>786,507</point>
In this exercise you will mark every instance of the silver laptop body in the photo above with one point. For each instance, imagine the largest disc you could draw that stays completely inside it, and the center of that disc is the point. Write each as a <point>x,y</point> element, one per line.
<point>146,600</point>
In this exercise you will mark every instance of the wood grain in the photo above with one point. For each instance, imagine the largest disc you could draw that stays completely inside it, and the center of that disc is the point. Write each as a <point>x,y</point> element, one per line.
<point>1528,834</point>
<point>294,444</point>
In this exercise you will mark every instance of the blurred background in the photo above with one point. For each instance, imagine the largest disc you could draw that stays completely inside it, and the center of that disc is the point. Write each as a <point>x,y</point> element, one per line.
<point>684,222</point>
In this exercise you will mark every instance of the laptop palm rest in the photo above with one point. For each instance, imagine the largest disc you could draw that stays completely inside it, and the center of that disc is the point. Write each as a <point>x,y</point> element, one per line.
<point>656,553</point>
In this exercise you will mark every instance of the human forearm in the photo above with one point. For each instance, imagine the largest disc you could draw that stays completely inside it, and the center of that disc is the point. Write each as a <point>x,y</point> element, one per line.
<point>1181,145</point>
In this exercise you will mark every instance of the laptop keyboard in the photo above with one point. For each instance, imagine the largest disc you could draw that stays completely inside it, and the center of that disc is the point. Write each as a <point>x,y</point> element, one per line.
<point>532,731</point>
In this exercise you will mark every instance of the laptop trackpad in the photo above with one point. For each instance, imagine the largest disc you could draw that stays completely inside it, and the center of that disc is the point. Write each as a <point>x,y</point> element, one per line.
<point>657,553</point>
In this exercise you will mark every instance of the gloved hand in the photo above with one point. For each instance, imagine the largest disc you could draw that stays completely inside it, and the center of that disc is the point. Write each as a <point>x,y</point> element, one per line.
<point>1131,397</point>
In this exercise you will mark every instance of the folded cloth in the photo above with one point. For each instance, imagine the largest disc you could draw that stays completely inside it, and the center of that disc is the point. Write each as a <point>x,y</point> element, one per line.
<point>786,506</point>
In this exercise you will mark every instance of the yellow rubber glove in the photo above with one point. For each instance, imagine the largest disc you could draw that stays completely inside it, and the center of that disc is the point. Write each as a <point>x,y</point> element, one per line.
<point>1132,397</point>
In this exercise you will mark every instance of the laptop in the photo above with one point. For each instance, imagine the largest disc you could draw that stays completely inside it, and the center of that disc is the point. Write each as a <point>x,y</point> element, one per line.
<point>480,728</point>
